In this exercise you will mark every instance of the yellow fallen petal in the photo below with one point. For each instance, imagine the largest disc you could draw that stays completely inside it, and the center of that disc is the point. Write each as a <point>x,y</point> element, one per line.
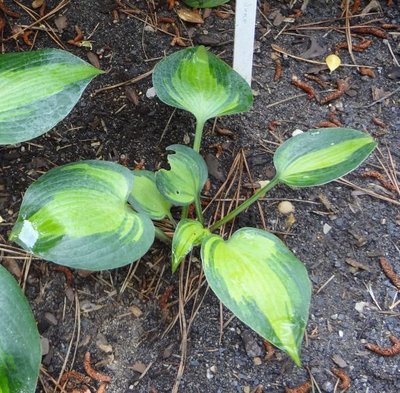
<point>333,62</point>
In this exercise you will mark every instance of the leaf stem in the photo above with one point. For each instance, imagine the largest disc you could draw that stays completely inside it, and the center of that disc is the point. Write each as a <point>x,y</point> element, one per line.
<point>254,198</point>
<point>199,211</point>
<point>171,219</point>
<point>184,212</point>
<point>198,134</point>
<point>161,235</point>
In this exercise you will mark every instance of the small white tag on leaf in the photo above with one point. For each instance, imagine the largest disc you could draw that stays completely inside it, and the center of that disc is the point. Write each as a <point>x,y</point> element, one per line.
<point>333,61</point>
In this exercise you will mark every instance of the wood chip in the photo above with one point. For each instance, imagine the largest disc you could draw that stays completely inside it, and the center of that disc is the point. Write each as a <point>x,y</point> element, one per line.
<point>358,265</point>
<point>131,95</point>
<point>339,361</point>
<point>139,367</point>
<point>136,311</point>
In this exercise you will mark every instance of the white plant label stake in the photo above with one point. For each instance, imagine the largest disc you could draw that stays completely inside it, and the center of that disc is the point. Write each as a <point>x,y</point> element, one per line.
<point>245,24</point>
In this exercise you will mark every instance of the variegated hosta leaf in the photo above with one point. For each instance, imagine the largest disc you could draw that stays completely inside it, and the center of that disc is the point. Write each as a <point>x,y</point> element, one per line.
<point>186,178</point>
<point>20,352</point>
<point>146,198</point>
<point>199,82</point>
<point>262,283</point>
<point>77,215</point>
<point>320,156</point>
<point>37,90</point>
<point>205,3</point>
<point>188,233</point>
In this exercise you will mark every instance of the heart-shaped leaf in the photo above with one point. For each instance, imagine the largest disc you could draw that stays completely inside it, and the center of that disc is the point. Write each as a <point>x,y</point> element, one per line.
<point>320,156</point>
<point>262,283</point>
<point>37,90</point>
<point>199,82</point>
<point>205,3</point>
<point>188,233</point>
<point>146,198</point>
<point>20,352</point>
<point>77,215</point>
<point>186,178</point>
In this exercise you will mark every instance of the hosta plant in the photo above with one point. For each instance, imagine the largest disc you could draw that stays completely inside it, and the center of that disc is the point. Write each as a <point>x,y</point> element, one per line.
<point>20,352</point>
<point>37,90</point>
<point>99,215</point>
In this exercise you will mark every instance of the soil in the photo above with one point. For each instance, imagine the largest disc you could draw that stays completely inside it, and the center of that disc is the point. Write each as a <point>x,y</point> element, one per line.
<point>125,318</point>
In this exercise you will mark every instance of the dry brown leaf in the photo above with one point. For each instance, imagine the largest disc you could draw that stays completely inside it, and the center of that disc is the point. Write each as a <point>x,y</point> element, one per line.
<point>190,16</point>
<point>12,266</point>
<point>93,59</point>
<point>314,50</point>
<point>372,6</point>
<point>61,23</point>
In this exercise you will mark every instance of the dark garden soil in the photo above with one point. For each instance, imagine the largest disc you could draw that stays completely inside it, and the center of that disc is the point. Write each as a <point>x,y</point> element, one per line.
<point>129,319</point>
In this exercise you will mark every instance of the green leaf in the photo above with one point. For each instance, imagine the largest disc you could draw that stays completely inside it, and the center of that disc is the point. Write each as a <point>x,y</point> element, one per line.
<point>146,198</point>
<point>199,82</point>
<point>262,283</point>
<point>37,90</point>
<point>20,351</point>
<point>188,233</point>
<point>204,3</point>
<point>320,156</point>
<point>77,215</point>
<point>186,178</point>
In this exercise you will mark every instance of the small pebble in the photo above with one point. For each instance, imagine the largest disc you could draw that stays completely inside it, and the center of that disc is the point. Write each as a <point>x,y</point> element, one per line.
<point>257,361</point>
<point>326,229</point>
<point>151,92</point>
<point>149,28</point>
<point>45,345</point>
<point>328,387</point>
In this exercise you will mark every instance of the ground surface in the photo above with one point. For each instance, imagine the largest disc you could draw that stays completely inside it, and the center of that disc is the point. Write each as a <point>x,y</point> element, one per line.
<point>339,232</point>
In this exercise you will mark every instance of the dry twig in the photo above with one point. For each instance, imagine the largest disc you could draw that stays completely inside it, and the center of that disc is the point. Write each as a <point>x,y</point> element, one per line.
<point>341,89</point>
<point>92,372</point>
<point>304,86</point>
<point>344,378</point>
<point>378,176</point>
<point>304,388</point>
<point>376,31</point>
<point>391,351</point>
<point>8,11</point>
<point>278,70</point>
<point>269,348</point>
<point>389,272</point>
<point>67,273</point>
